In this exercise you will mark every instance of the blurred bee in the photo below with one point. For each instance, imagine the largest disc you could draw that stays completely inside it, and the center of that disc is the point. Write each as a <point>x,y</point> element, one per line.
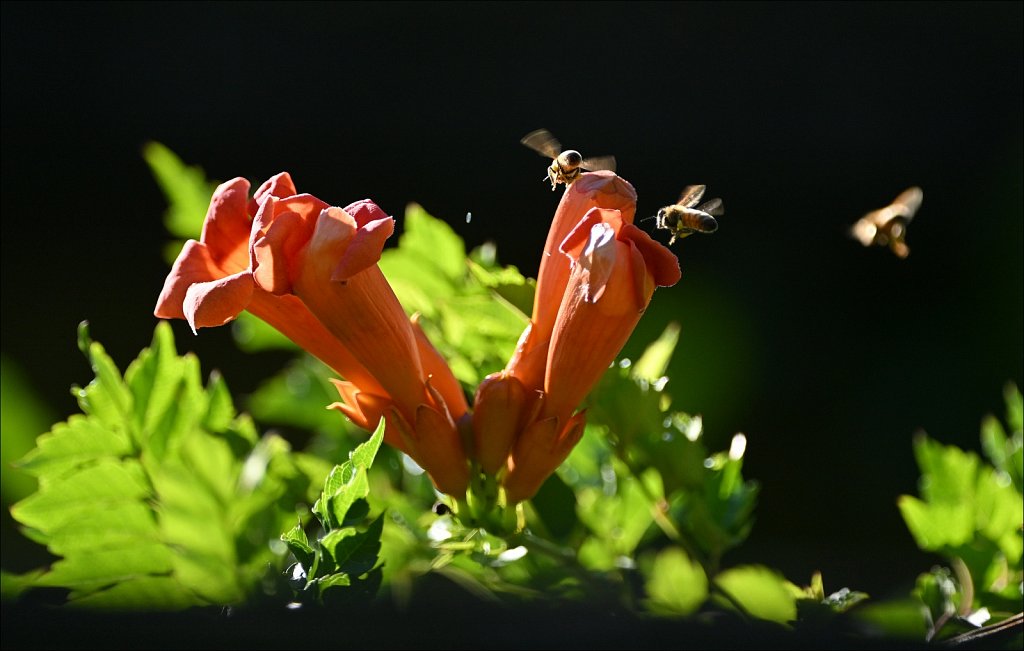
<point>566,166</point>
<point>683,219</point>
<point>888,226</point>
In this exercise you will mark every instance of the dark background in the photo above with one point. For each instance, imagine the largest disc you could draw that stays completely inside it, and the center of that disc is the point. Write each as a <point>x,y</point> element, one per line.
<point>802,117</point>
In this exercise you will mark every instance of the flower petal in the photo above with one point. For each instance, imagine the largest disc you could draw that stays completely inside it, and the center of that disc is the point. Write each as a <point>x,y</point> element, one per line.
<point>363,313</point>
<point>227,224</point>
<point>280,185</point>
<point>499,412</point>
<point>438,373</point>
<point>365,249</point>
<point>276,250</point>
<point>193,265</point>
<point>439,451</point>
<point>661,262</point>
<point>538,452</point>
<point>218,301</point>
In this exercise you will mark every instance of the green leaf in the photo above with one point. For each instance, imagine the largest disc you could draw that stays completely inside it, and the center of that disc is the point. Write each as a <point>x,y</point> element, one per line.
<point>762,592</point>
<point>938,592</point>
<point>473,310</point>
<point>348,482</point>
<point>506,282</point>
<point>158,496</point>
<point>13,585</point>
<point>433,242</point>
<point>362,457</point>
<point>341,590</point>
<point>23,419</point>
<point>618,522</point>
<point>299,545</point>
<point>103,485</point>
<point>297,397</point>
<point>68,445</point>
<point>935,526</point>
<point>149,592</point>
<point>675,585</point>
<point>963,501</point>
<point>185,188</point>
<point>654,362</point>
<point>253,335</point>
<point>106,397</point>
<point>555,504</point>
<point>354,553</point>
<point>904,618</point>
<point>1014,408</point>
<point>97,568</point>
<point>1006,452</point>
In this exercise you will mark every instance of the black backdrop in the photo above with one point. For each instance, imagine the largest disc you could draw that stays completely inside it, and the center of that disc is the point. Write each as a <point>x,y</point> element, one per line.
<point>801,116</point>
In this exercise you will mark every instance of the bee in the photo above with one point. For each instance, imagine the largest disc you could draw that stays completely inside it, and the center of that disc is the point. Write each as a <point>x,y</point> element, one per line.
<point>888,226</point>
<point>683,219</point>
<point>566,166</point>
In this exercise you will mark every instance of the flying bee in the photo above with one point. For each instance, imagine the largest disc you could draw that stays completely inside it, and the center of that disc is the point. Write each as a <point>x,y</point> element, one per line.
<point>888,226</point>
<point>566,166</point>
<point>683,219</point>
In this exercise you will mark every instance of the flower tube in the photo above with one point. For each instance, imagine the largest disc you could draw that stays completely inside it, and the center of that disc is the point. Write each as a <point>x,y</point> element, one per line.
<point>310,271</point>
<point>615,268</point>
<point>592,190</point>
<point>211,281</point>
<point>329,262</point>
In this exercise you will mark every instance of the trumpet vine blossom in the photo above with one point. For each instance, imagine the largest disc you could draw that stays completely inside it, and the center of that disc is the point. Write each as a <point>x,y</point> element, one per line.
<point>310,270</point>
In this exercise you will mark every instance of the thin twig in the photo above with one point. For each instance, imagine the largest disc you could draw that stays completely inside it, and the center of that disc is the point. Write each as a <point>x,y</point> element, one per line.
<point>993,635</point>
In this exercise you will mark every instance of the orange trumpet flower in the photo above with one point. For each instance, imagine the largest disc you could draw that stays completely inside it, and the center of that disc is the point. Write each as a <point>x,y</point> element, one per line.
<point>310,270</point>
<point>613,268</point>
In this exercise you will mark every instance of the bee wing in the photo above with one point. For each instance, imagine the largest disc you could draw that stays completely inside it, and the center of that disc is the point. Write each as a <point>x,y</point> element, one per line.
<point>713,207</point>
<point>542,142</point>
<point>908,202</point>
<point>691,195</point>
<point>599,163</point>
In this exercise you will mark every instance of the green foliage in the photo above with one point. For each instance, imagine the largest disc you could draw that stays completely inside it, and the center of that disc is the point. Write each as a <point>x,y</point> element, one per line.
<point>188,193</point>
<point>187,190</point>
<point>342,566</point>
<point>675,585</point>
<point>473,309</point>
<point>971,513</point>
<point>705,495</point>
<point>24,417</point>
<point>760,592</point>
<point>158,495</point>
<point>298,397</point>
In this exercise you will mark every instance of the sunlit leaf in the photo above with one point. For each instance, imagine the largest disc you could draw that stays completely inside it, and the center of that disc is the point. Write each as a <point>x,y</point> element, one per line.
<point>654,362</point>
<point>897,619</point>
<point>157,496</point>
<point>24,417</point>
<point>762,592</point>
<point>186,188</point>
<point>345,552</point>
<point>676,585</point>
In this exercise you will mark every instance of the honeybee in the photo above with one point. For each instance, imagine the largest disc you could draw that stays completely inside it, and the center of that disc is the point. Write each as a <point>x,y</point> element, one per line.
<point>683,219</point>
<point>888,226</point>
<point>566,166</point>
